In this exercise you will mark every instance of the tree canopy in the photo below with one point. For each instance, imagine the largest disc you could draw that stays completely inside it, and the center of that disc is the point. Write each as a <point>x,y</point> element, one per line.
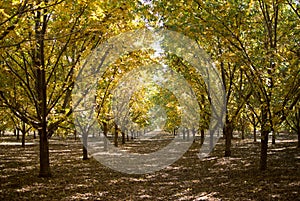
<point>254,45</point>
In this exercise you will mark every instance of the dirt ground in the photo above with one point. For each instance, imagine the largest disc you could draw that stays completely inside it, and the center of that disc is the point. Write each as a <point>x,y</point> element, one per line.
<point>215,178</point>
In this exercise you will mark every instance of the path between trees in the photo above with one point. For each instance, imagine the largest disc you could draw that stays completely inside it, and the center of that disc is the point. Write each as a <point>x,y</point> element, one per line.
<point>215,178</point>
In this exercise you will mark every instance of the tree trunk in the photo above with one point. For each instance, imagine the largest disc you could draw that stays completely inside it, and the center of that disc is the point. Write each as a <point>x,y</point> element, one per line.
<point>23,139</point>
<point>243,130</point>
<point>44,144</point>
<point>44,154</point>
<point>105,131</point>
<point>41,88</point>
<point>264,150</point>
<point>264,140</point>
<point>202,136</point>
<point>123,137</point>
<point>228,135</point>
<point>183,133</point>
<point>273,137</point>
<point>194,134</point>
<point>254,133</point>
<point>34,135</point>
<point>298,126</point>
<point>116,136</point>
<point>84,147</point>
<point>188,134</point>
<point>23,133</point>
<point>211,139</point>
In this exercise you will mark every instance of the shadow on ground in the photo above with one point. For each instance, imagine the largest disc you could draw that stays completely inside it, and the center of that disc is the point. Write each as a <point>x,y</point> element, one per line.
<point>215,178</point>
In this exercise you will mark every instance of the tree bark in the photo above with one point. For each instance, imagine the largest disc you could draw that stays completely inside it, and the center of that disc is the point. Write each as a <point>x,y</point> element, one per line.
<point>23,133</point>
<point>105,131</point>
<point>123,137</point>
<point>132,134</point>
<point>41,90</point>
<point>44,154</point>
<point>254,134</point>
<point>264,140</point>
<point>297,126</point>
<point>264,150</point>
<point>202,136</point>
<point>116,136</point>
<point>194,133</point>
<point>84,147</point>
<point>273,137</point>
<point>228,135</point>
<point>243,133</point>
<point>42,112</point>
<point>211,139</point>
